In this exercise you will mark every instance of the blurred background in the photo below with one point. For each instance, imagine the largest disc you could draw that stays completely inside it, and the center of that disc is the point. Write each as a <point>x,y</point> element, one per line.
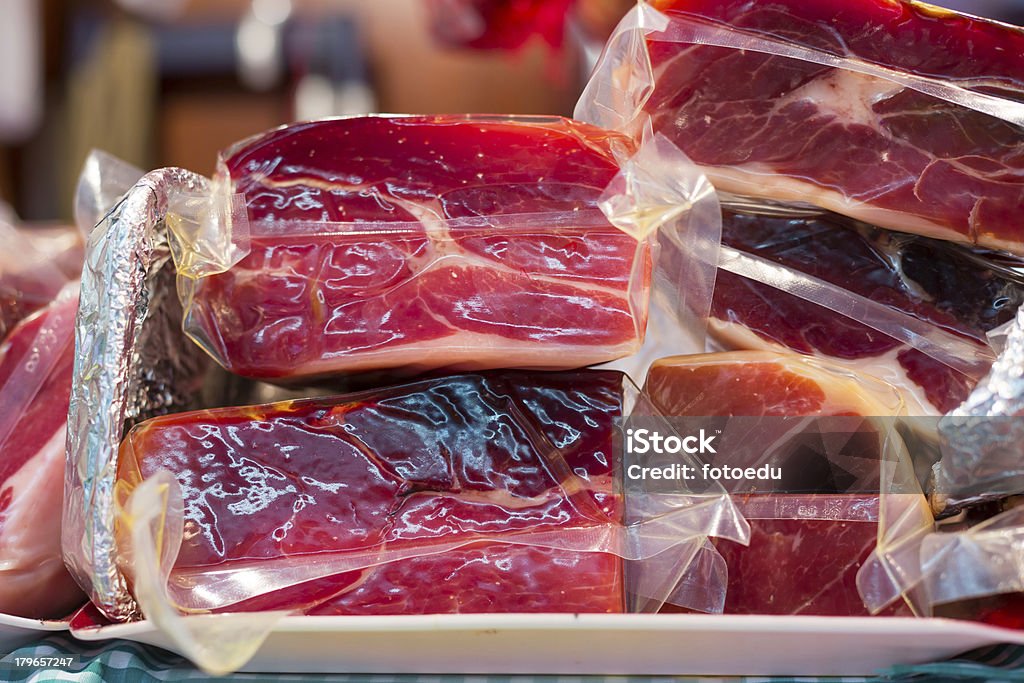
<point>170,82</point>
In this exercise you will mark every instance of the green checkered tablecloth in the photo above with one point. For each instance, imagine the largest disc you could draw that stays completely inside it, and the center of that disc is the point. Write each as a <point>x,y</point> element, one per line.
<point>128,662</point>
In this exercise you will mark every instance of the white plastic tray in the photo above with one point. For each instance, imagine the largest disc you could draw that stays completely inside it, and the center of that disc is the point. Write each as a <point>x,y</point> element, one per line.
<point>599,644</point>
<point>15,631</point>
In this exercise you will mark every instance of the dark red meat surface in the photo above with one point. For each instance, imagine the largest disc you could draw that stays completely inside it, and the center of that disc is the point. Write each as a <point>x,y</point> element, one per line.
<point>468,460</point>
<point>803,566</point>
<point>778,127</point>
<point>1006,610</point>
<point>919,277</point>
<point>396,284</point>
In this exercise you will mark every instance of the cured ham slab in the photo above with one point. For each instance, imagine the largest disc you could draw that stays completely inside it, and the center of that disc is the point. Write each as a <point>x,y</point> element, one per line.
<point>33,580</point>
<point>384,478</point>
<point>422,243</point>
<point>921,278</point>
<point>806,547</point>
<point>765,125</point>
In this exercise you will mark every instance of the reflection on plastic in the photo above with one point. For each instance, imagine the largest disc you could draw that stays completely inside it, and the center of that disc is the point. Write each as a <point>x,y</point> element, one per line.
<point>219,644</point>
<point>103,181</point>
<point>500,490</point>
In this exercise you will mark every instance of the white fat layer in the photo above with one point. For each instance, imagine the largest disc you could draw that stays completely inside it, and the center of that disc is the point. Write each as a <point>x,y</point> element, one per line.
<point>844,390</point>
<point>760,180</point>
<point>846,94</point>
<point>470,352</point>
<point>885,367</point>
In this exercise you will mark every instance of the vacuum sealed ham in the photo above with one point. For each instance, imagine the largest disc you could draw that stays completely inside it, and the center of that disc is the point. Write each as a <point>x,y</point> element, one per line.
<point>35,384</point>
<point>900,114</point>
<point>910,310</point>
<point>421,473</point>
<point>469,493</point>
<point>496,492</point>
<point>827,487</point>
<point>282,263</point>
<point>420,243</point>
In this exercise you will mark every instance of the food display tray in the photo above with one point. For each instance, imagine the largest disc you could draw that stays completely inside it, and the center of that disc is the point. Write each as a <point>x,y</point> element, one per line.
<point>637,644</point>
<point>15,631</point>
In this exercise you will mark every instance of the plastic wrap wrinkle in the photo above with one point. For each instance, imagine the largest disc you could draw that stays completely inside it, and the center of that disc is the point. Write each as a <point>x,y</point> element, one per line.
<point>949,349</point>
<point>984,560</point>
<point>933,302</point>
<point>684,210</point>
<point>219,644</point>
<point>701,31</point>
<point>30,278</point>
<point>131,362</point>
<point>45,352</point>
<point>103,181</point>
<point>208,229</point>
<point>873,521</point>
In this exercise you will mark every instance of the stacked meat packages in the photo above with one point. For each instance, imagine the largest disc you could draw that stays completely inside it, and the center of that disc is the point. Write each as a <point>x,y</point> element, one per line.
<point>794,223</point>
<point>460,273</point>
<point>868,156</point>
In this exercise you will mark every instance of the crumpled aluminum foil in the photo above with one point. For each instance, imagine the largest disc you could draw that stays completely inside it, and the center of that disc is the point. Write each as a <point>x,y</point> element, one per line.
<point>982,441</point>
<point>132,362</point>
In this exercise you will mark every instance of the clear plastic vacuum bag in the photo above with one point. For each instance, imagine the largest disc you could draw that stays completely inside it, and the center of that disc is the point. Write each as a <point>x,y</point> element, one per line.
<point>902,115</point>
<point>407,244</point>
<point>35,264</point>
<point>823,478</point>
<point>910,310</point>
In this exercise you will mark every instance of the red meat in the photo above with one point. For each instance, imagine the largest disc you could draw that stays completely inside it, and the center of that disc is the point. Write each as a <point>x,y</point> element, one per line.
<point>38,261</point>
<point>391,282</point>
<point>919,277</point>
<point>805,548</point>
<point>35,389</point>
<point>787,129</point>
<point>458,460</point>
